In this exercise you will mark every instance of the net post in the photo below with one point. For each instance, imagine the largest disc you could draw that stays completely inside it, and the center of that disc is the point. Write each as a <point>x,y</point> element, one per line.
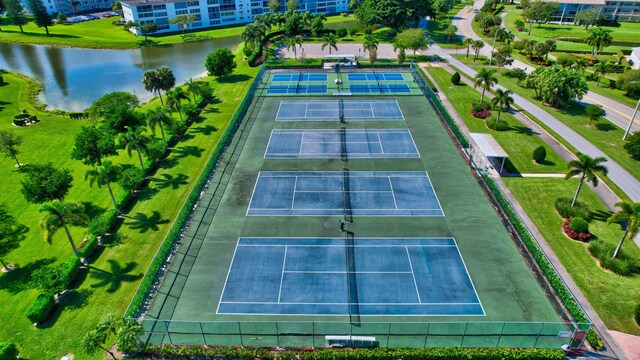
<point>240,333</point>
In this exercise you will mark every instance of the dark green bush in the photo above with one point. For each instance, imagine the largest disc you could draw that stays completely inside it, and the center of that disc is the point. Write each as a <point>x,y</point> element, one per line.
<point>638,314</point>
<point>623,264</point>
<point>100,224</point>
<point>594,340</point>
<point>539,154</point>
<point>479,106</point>
<point>633,145</point>
<point>341,32</point>
<point>56,277</point>
<point>563,207</point>
<point>491,124</point>
<point>190,110</point>
<point>89,247</point>
<point>19,122</point>
<point>455,78</point>
<point>131,179</point>
<point>8,351</point>
<point>41,307</point>
<point>579,225</point>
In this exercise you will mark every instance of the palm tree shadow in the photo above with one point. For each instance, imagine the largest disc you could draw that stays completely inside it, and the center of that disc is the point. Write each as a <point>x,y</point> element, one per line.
<point>235,78</point>
<point>115,277</point>
<point>169,180</point>
<point>190,150</point>
<point>600,215</point>
<point>19,279</point>
<point>92,210</point>
<point>168,163</point>
<point>523,130</point>
<point>147,193</point>
<point>76,299</point>
<point>204,130</point>
<point>144,223</point>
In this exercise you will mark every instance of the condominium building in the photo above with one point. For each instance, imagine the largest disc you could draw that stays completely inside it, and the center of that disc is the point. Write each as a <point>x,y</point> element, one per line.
<point>211,13</point>
<point>613,10</point>
<point>67,6</point>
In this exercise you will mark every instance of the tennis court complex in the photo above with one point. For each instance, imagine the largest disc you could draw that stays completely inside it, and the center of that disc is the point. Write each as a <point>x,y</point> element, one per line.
<point>315,276</point>
<point>335,110</point>
<point>347,215</point>
<point>327,144</point>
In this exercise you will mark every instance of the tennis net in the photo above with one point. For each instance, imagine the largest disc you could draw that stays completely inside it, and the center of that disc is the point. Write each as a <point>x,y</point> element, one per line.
<point>343,145</point>
<point>352,284</point>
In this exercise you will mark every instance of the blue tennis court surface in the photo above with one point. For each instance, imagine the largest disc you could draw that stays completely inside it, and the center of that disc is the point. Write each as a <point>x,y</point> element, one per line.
<point>329,110</point>
<point>396,143</point>
<point>379,276</point>
<point>299,77</point>
<point>375,77</point>
<point>297,89</point>
<point>361,193</point>
<point>379,88</point>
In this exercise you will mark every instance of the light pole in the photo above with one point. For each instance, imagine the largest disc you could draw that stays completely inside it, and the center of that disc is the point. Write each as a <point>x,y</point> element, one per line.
<point>633,116</point>
<point>494,44</point>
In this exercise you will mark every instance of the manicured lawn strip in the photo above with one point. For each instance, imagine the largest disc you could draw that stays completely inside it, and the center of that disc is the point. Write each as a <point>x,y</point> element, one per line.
<point>614,297</point>
<point>628,32</point>
<point>111,280</point>
<point>102,34</point>
<point>437,27</point>
<point>519,142</point>
<point>605,136</point>
<point>605,89</point>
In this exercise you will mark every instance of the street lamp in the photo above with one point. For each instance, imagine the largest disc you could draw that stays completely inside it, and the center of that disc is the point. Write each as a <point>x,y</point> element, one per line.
<point>633,116</point>
<point>493,47</point>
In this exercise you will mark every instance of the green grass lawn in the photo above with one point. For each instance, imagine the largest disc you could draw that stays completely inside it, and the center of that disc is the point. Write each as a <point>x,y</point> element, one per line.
<point>110,281</point>
<point>102,34</point>
<point>519,141</point>
<point>437,27</point>
<point>625,32</point>
<point>614,297</point>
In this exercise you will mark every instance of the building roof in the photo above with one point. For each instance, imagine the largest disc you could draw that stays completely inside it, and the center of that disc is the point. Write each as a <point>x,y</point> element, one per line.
<point>149,2</point>
<point>584,2</point>
<point>488,145</point>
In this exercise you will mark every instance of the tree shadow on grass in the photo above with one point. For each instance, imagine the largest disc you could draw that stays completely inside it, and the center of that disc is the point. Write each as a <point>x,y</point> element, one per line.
<point>168,180</point>
<point>211,110</point>
<point>113,239</point>
<point>92,210</point>
<point>605,126</point>
<point>169,163</point>
<point>147,193</point>
<point>235,78</point>
<point>144,223</point>
<point>523,130</point>
<point>185,151</point>
<point>116,275</point>
<point>204,130</point>
<point>43,34</point>
<point>18,279</point>
<point>547,163</point>
<point>76,299</point>
<point>600,215</point>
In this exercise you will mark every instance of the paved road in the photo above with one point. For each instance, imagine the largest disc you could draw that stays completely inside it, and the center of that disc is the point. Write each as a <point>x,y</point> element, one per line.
<point>616,112</point>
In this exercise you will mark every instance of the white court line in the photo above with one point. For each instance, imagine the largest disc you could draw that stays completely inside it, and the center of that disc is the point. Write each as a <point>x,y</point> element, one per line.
<point>413,274</point>
<point>399,109</point>
<point>380,142</point>
<point>278,113</point>
<point>284,261</point>
<point>293,198</point>
<point>469,277</point>
<point>341,246</point>
<point>266,151</point>
<point>344,272</point>
<point>395,203</point>
<point>360,303</point>
<point>228,273</point>
<point>253,193</point>
<point>340,191</point>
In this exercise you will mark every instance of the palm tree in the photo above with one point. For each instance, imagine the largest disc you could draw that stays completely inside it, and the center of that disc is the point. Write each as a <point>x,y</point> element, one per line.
<point>451,30</point>
<point>94,340</point>
<point>58,215</point>
<point>370,44</point>
<point>586,167</point>
<point>401,48</point>
<point>134,138</point>
<point>253,33</point>
<point>630,213</point>
<point>331,41</point>
<point>193,87</point>
<point>602,68</point>
<point>128,337</point>
<point>158,80</point>
<point>485,78</point>
<point>292,43</point>
<point>105,175</point>
<point>477,45</point>
<point>158,118</point>
<point>174,100</point>
<point>580,64</point>
<point>468,42</point>
<point>599,38</point>
<point>503,100</point>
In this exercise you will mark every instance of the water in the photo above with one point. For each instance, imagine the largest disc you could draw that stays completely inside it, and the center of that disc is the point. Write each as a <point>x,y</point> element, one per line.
<point>73,78</point>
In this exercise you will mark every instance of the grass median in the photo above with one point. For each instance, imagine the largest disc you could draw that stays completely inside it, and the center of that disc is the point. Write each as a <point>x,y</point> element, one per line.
<point>109,282</point>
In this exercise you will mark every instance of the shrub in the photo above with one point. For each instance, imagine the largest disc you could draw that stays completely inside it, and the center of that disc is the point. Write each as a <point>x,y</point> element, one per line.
<point>563,207</point>
<point>633,145</point>
<point>8,351</point>
<point>100,225</point>
<point>220,63</point>
<point>638,314</point>
<point>482,114</point>
<point>455,78</point>
<point>341,32</point>
<point>55,278</point>
<point>623,264</point>
<point>190,110</point>
<point>19,122</point>
<point>491,124</point>
<point>594,340</point>
<point>352,31</point>
<point>131,178</point>
<point>41,307</point>
<point>573,234</point>
<point>89,247</point>
<point>579,224</point>
<point>539,154</point>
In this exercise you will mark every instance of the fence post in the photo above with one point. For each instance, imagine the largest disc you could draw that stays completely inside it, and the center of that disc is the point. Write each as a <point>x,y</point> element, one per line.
<point>538,337</point>
<point>501,332</point>
<point>313,334</point>
<point>426,336</point>
<point>277,335</point>
<point>240,333</point>
<point>204,339</point>
<point>388,333</point>
<point>464,332</point>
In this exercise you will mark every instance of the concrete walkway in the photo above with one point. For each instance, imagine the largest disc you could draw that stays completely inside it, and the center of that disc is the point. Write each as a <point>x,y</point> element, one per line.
<point>385,51</point>
<point>616,112</point>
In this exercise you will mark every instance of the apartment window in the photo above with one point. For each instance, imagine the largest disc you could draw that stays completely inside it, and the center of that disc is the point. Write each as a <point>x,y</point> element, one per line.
<point>256,11</point>
<point>196,24</point>
<point>161,14</point>
<point>228,13</point>
<point>193,3</point>
<point>145,8</point>
<point>212,2</point>
<point>194,11</point>
<point>182,12</point>
<point>160,7</point>
<point>256,4</point>
<point>180,5</point>
<point>227,7</point>
<point>228,20</point>
<point>214,22</point>
<point>145,15</point>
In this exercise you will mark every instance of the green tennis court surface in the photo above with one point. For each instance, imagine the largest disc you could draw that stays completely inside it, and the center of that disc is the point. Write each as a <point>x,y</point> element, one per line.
<point>285,250</point>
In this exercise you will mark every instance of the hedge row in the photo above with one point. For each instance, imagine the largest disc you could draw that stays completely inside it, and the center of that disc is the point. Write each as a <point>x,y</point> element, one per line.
<point>174,233</point>
<point>8,351</point>
<point>51,279</point>
<point>189,352</point>
<point>41,307</point>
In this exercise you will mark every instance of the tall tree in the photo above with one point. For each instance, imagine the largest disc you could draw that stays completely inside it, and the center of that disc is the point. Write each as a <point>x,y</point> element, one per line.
<point>477,45</point>
<point>468,42</point>
<point>502,100</point>
<point>194,87</point>
<point>128,336</point>
<point>183,21</point>
<point>158,118</point>
<point>590,17</point>
<point>485,78</point>
<point>93,144</point>
<point>601,68</point>
<point>58,215</point>
<point>630,214</point>
<point>586,167</point>
<point>540,12</point>
<point>396,14</point>
<point>220,63</point>
<point>174,99</point>
<point>292,43</point>
<point>292,6</point>
<point>414,39</point>
<point>105,175</point>
<point>135,139</point>
<point>253,33</point>
<point>95,339</point>
<point>158,80</point>
<point>15,13</point>
<point>330,40</point>
<point>9,143</point>
<point>317,25</point>
<point>11,233</point>
<point>40,14</point>
<point>594,112</point>
<point>370,44</point>
<point>45,182</point>
<point>599,38</point>
<point>451,31</point>
<point>274,6</point>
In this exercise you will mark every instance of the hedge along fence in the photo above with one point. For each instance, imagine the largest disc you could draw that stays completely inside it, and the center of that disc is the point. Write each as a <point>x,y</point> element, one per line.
<point>172,238</point>
<point>450,353</point>
<point>8,351</point>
